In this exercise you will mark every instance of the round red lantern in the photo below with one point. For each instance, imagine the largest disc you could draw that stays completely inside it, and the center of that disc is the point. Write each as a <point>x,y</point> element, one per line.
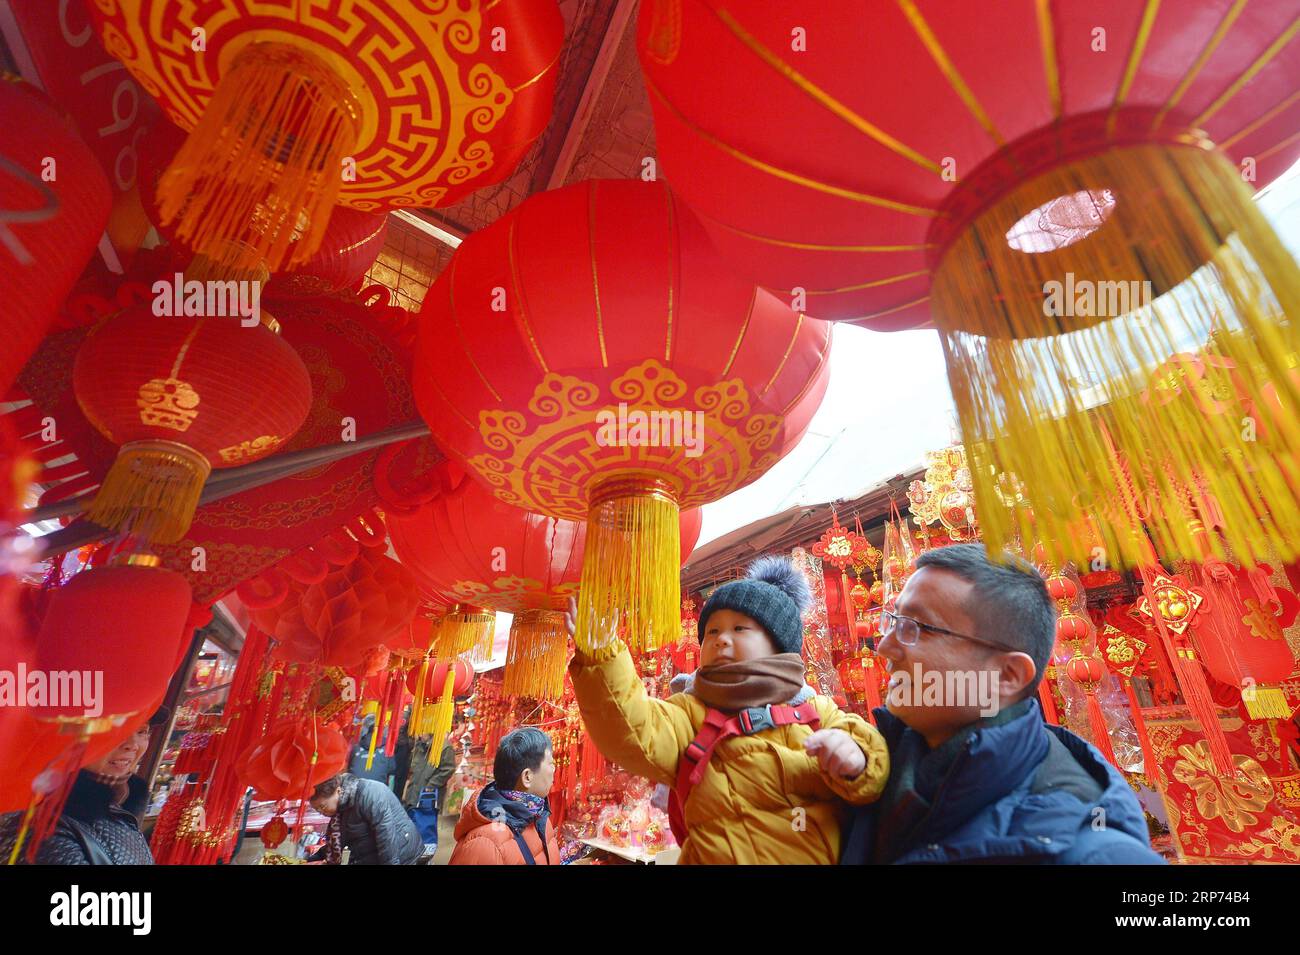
<point>986,168</point>
<point>296,107</point>
<point>124,621</point>
<point>292,759</point>
<point>56,201</point>
<point>182,395</point>
<point>435,679</point>
<point>588,358</point>
<point>1087,671</point>
<point>1073,630</point>
<point>1062,589</point>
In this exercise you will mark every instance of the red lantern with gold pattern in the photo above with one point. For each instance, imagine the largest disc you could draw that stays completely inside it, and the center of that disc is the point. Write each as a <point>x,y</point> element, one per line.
<point>588,358</point>
<point>182,395</point>
<point>294,107</point>
<point>55,200</point>
<point>1012,173</point>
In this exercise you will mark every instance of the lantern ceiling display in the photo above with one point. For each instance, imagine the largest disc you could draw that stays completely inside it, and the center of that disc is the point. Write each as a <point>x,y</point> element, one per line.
<point>1062,187</point>
<point>293,107</point>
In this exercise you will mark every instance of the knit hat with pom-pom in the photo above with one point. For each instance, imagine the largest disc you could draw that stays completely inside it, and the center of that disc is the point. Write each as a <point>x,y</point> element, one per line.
<point>775,595</point>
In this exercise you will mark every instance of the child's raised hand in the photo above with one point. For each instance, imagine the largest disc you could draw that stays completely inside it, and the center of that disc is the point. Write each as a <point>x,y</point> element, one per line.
<point>571,616</point>
<point>605,633</point>
<point>838,754</point>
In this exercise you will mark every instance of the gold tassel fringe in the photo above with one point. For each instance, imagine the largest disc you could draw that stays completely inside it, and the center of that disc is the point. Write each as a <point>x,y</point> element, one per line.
<point>538,655</point>
<point>1088,412</point>
<point>151,491</point>
<point>1266,703</point>
<point>631,567</point>
<point>465,630</point>
<point>256,180</point>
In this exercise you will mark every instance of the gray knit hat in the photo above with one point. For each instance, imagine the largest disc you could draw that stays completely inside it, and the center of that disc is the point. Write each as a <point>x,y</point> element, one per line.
<point>775,595</point>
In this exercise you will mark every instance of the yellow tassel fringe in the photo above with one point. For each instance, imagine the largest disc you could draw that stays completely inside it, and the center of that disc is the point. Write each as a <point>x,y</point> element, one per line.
<point>630,568</point>
<point>538,655</point>
<point>1266,703</point>
<point>151,491</point>
<point>465,631</point>
<point>256,180</point>
<point>1081,410</point>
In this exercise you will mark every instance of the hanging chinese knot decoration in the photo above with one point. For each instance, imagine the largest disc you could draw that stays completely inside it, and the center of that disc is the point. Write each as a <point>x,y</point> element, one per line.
<point>568,358</point>
<point>945,496</point>
<point>1024,202</point>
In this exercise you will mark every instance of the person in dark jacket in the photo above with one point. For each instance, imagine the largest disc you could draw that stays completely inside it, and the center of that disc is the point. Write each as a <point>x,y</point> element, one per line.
<point>371,821</point>
<point>426,790</point>
<point>382,767</point>
<point>976,775</point>
<point>100,822</point>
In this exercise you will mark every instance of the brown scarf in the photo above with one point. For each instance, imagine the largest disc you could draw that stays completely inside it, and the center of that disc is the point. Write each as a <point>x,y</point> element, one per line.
<point>745,683</point>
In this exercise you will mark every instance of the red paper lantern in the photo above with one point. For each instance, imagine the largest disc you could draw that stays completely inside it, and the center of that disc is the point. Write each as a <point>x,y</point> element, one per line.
<point>292,759</point>
<point>988,167</point>
<point>386,104</point>
<point>56,201</point>
<point>1088,672</point>
<point>337,617</point>
<point>567,350</point>
<point>1073,629</point>
<point>1062,589</point>
<point>122,621</point>
<point>182,395</point>
<point>436,679</point>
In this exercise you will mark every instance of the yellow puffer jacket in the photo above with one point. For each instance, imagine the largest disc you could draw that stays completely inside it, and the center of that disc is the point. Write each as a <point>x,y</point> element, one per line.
<point>746,808</point>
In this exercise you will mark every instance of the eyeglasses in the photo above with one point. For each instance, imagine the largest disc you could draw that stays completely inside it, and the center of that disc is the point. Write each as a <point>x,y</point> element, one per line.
<point>907,631</point>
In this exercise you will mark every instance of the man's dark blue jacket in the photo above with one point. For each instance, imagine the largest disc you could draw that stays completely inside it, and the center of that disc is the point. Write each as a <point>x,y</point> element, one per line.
<point>1021,792</point>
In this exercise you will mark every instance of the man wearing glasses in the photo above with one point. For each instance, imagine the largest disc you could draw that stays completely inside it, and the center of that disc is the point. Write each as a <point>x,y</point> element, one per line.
<point>976,775</point>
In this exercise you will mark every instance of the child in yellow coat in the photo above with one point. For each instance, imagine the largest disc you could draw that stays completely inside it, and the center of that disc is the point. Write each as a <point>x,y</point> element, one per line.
<point>774,795</point>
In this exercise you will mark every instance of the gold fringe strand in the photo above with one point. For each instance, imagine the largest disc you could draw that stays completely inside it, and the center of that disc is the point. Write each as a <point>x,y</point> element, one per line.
<point>151,491</point>
<point>256,180</point>
<point>631,567</point>
<point>441,713</point>
<point>538,655</point>
<point>465,630</point>
<point>1052,400</point>
<point>1266,703</point>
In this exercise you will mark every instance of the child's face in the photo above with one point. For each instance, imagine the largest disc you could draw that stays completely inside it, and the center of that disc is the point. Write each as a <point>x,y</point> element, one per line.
<point>731,637</point>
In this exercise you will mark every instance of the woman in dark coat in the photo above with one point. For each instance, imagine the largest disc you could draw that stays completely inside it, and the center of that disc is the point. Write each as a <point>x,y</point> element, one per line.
<point>371,821</point>
<point>100,823</point>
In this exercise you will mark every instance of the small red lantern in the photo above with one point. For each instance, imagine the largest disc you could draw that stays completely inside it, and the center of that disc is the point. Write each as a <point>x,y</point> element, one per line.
<point>182,395</point>
<point>1062,588</point>
<point>1073,629</point>
<point>290,760</point>
<point>435,678</point>
<point>1087,671</point>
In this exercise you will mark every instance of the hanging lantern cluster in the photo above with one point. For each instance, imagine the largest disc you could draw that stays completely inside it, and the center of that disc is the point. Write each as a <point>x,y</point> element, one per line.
<point>532,371</point>
<point>945,496</point>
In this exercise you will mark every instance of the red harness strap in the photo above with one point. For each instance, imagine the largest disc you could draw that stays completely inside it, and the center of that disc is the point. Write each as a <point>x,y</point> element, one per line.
<point>717,727</point>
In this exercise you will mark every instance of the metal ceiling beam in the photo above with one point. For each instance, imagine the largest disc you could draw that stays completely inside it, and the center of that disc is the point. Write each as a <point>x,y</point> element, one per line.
<point>623,14</point>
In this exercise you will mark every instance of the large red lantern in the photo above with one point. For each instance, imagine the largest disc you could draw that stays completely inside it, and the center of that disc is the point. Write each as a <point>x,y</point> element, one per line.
<point>588,358</point>
<point>292,759</point>
<point>182,395</point>
<point>294,107</point>
<point>56,202</point>
<point>1012,172</point>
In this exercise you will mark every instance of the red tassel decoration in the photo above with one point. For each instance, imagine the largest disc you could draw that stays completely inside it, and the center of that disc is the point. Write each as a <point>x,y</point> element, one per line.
<point>1046,701</point>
